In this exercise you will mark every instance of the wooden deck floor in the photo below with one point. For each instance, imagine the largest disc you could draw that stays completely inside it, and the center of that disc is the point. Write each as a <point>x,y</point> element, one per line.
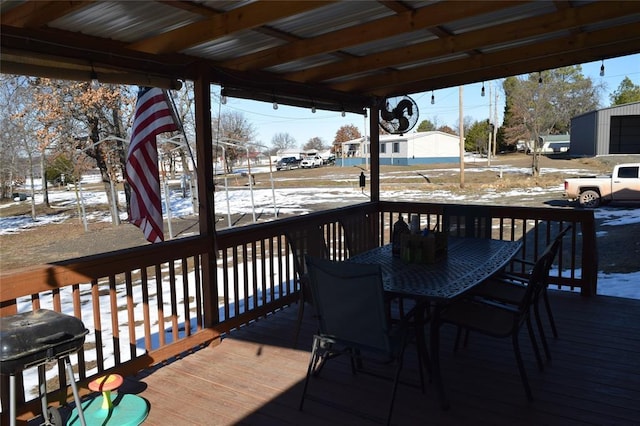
<point>254,377</point>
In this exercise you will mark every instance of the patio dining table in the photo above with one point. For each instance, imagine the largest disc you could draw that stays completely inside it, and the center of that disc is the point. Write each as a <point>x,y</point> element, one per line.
<point>468,262</point>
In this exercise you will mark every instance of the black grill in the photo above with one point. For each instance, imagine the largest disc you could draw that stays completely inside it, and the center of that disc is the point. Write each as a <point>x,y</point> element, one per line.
<point>34,338</point>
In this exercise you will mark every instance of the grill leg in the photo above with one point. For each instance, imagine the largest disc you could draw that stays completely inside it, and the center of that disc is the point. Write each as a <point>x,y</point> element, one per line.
<point>12,400</point>
<point>42,388</point>
<point>74,386</point>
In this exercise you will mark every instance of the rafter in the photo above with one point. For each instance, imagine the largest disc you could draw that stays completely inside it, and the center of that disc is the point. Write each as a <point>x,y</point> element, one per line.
<point>38,14</point>
<point>242,18</point>
<point>493,65</point>
<point>470,76</point>
<point>478,39</point>
<point>407,21</point>
<point>91,50</point>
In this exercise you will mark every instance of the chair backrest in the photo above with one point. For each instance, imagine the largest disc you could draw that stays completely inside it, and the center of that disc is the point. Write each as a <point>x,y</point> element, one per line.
<point>467,221</point>
<point>538,277</point>
<point>359,233</point>
<point>557,241</point>
<point>307,240</point>
<point>349,302</point>
<point>553,249</point>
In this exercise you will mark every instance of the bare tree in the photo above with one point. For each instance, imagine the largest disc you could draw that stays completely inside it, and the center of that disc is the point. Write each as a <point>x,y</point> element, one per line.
<point>314,143</point>
<point>541,104</point>
<point>281,141</point>
<point>11,166</point>
<point>232,127</point>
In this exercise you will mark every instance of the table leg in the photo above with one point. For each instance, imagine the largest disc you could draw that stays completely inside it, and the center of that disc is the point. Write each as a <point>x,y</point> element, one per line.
<point>434,340</point>
<point>421,316</point>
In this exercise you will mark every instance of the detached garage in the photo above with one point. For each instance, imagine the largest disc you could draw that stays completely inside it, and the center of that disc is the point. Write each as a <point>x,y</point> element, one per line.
<point>614,130</point>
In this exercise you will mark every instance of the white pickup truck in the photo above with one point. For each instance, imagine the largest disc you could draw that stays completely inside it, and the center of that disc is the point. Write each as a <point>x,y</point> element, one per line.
<point>622,185</point>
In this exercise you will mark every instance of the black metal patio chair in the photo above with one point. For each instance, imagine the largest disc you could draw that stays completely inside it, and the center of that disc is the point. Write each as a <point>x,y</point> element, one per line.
<point>308,240</point>
<point>503,320</point>
<point>349,303</point>
<point>358,232</point>
<point>511,289</point>
<point>467,221</point>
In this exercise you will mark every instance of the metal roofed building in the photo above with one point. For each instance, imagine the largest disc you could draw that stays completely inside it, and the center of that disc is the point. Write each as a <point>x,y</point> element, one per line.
<point>613,130</point>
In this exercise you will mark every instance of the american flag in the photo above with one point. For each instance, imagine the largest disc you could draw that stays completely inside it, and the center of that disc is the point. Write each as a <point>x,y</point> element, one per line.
<point>152,117</point>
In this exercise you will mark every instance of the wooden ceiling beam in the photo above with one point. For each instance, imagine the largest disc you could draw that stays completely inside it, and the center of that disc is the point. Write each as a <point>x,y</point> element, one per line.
<point>9,67</point>
<point>36,14</point>
<point>407,21</point>
<point>396,6</point>
<point>508,70</point>
<point>85,49</point>
<point>473,40</point>
<point>242,18</point>
<point>191,7</point>
<point>614,41</point>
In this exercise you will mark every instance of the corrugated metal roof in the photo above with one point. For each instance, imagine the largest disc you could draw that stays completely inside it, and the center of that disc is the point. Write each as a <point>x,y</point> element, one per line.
<point>330,18</point>
<point>128,22</point>
<point>228,47</point>
<point>347,53</point>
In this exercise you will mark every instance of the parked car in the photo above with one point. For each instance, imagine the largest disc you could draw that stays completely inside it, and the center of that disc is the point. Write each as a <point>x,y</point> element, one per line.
<point>622,185</point>
<point>287,163</point>
<point>20,196</point>
<point>310,162</point>
<point>552,148</point>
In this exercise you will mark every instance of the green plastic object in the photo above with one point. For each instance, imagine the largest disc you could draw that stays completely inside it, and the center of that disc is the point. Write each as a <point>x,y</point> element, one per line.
<point>127,410</point>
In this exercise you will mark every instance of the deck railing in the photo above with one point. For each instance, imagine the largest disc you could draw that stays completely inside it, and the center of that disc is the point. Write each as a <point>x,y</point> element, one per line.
<point>146,305</point>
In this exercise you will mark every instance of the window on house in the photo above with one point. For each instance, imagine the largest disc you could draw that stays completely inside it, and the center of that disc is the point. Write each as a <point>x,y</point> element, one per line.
<point>396,147</point>
<point>383,148</point>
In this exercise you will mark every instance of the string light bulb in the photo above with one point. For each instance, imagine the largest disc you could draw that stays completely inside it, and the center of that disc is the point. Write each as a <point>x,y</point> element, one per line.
<point>482,91</point>
<point>539,78</point>
<point>275,105</point>
<point>313,109</point>
<point>94,76</point>
<point>433,98</point>
<point>343,113</point>
<point>223,97</point>
<point>602,69</point>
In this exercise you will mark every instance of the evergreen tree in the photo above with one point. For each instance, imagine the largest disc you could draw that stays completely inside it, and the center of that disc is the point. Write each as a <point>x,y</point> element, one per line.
<point>625,93</point>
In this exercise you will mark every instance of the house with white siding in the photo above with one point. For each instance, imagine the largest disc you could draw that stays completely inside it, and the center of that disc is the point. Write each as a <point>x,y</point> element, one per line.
<point>403,150</point>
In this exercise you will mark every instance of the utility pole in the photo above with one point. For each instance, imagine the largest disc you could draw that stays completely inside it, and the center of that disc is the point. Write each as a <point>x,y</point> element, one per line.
<point>489,150</point>
<point>461,119</point>
<point>495,123</point>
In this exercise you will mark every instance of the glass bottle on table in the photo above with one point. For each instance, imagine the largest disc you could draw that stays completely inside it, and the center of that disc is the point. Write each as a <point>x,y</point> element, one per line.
<point>400,228</point>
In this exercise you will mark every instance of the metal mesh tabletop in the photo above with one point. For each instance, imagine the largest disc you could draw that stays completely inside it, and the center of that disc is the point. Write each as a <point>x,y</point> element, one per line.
<point>469,261</point>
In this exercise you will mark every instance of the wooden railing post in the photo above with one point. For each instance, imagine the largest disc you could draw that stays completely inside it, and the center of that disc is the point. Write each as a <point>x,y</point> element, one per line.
<point>589,255</point>
<point>204,136</point>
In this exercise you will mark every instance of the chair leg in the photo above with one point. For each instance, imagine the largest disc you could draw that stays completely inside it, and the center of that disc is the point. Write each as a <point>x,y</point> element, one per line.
<point>396,379</point>
<point>422,349</point>
<point>543,336</point>
<point>523,373</point>
<point>534,343</point>
<point>547,305</point>
<point>312,363</point>
<point>466,338</point>
<point>456,344</point>
<point>296,333</point>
